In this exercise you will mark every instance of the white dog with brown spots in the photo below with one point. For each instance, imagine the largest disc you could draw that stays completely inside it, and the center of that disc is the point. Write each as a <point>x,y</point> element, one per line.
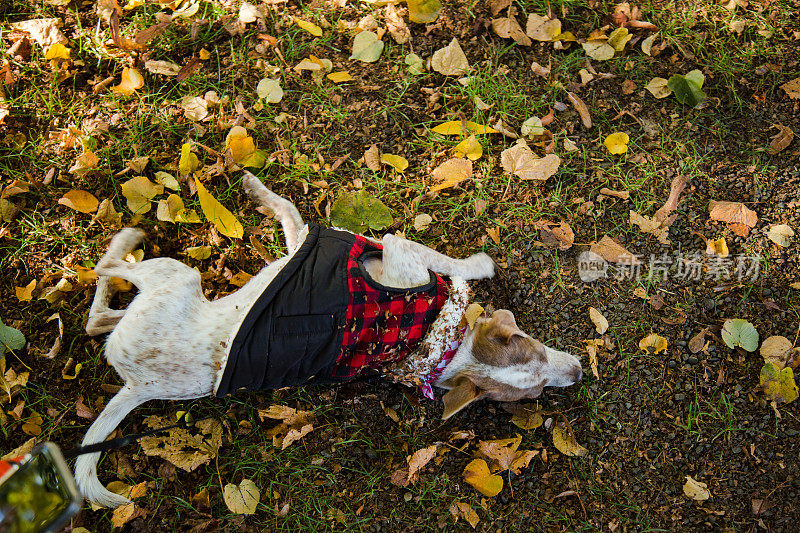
<point>171,343</point>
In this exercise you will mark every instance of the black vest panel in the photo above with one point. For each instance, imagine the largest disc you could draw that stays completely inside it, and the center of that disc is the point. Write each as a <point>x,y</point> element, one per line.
<point>292,335</point>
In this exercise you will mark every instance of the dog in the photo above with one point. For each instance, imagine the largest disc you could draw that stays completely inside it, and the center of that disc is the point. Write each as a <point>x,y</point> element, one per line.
<point>329,307</point>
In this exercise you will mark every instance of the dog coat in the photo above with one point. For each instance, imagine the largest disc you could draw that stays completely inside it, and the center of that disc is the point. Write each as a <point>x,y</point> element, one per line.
<point>324,319</point>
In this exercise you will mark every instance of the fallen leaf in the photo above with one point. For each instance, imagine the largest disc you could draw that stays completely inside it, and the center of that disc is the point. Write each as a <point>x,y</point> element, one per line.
<point>45,32</point>
<point>107,214</point>
<point>696,490</point>
<point>526,416</point>
<point>397,27</point>
<point>422,221</point>
<point>687,88</point>
<point>451,172</point>
<point>423,11</point>
<point>464,511</point>
<point>532,127</point>
<point>780,234</point>
<point>658,87</point>
<point>469,148</point>
<point>167,180</point>
<point>622,195</point>
<point>592,345</point>
<point>295,424</point>
<point>248,13</point>
<point>522,162</point>
<point>617,143</point>
<point>397,162</point>
<point>698,342</point>
<point>179,446</point>
<point>416,65</point>
<point>653,343</point>
<point>542,29</point>
<point>472,313</point>
<point>359,212</point>
<point>168,208</point>
<point>509,28</point>
<point>647,44</point>
<point>477,474</point>
<point>138,191</point>
<point>340,77</point>
<point>564,441</point>
<point>649,225</point>
<point>599,321</point>
<point>717,247</point>
<point>242,498</point>
<point>25,294</point>
<point>165,68</point>
<point>242,148</point>
<point>76,370</point>
<point>555,235</point>
<point>132,80</point>
<point>195,108</point>
<point>792,88</point>
<point>188,162</point>
<point>456,127</point>
<point>367,47</point>
<point>581,108</point>
<point>599,50</point>
<point>125,513</point>
<point>269,90</point>
<point>310,27</point>
<point>85,163</point>
<point>450,60</point>
<point>226,223</point>
<point>732,213</point>
<point>415,463</point>
<point>779,351</point>
<point>781,140</point>
<point>199,252</point>
<point>82,201</point>
<point>614,252</point>
<point>739,332</point>
<point>372,158</point>
<point>778,384</point>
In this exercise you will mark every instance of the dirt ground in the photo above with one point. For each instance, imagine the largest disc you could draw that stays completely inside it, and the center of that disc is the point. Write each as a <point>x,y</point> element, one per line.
<point>647,420</point>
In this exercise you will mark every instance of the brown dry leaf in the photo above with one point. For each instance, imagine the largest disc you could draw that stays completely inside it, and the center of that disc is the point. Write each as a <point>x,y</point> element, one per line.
<point>696,490</point>
<point>542,29</point>
<point>477,474</point>
<point>509,28</point>
<point>372,158</point>
<point>792,88</point>
<point>125,513</point>
<point>463,510</point>
<point>779,351</point>
<point>82,201</point>
<point>415,462</point>
<point>614,252</point>
<point>138,191</point>
<point>195,108</point>
<point>56,347</point>
<point>396,25</point>
<point>450,60</point>
<point>698,342</point>
<point>648,225</point>
<point>600,322</point>
<point>556,235</point>
<point>592,347</point>
<point>44,31</point>
<point>781,234</point>
<point>451,173</point>
<point>522,162</point>
<point>240,279</point>
<point>732,213</point>
<point>179,446</point>
<point>628,87</point>
<point>106,213</point>
<point>781,140</point>
<point>496,6</point>
<point>85,163</point>
<point>295,424</point>
<point>622,195</point>
<point>564,441</point>
<point>8,210</point>
<point>581,108</point>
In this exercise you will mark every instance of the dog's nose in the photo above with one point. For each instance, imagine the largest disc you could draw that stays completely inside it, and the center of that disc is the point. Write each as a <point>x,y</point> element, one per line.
<point>577,375</point>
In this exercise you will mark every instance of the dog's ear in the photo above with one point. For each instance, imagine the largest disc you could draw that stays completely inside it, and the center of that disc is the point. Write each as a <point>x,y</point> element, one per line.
<point>461,395</point>
<point>505,332</point>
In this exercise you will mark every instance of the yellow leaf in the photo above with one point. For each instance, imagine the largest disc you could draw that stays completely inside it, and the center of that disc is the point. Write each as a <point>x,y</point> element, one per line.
<point>451,173</point>
<point>242,498</point>
<point>131,80</point>
<point>199,252</point>
<point>138,191</point>
<point>619,38</point>
<point>778,384</point>
<point>240,279</point>
<point>204,54</point>
<point>241,145</point>
<point>654,341</point>
<point>168,208</point>
<point>617,143</point>
<point>564,442</point>
<point>340,77</point>
<point>188,216</point>
<point>397,162</point>
<point>57,51</point>
<point>696,490</point>
<point>717,247</point>
<point>542,29</point>
<point>453,127</point>
<point>472,313</point>
<point>469,148</point>
<point>215,212</point>
<point>25,294</point>
<point>477,474</point>
<point>188,162</point>
<point>82,201</point>
<point>85,163</point>
<point>310,27</point>
<point>423,11</point>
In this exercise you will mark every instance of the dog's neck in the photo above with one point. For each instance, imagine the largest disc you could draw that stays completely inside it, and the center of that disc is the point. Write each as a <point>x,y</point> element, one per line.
<point>423,365</point>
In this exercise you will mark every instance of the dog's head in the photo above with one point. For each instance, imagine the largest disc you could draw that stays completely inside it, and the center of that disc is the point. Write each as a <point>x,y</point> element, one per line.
<point>499,361</point>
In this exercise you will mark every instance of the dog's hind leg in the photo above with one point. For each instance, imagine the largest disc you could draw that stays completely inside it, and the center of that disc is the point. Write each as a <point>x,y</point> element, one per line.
<point>103,319</point>
<point>86,465</point>
<point>285,211</point>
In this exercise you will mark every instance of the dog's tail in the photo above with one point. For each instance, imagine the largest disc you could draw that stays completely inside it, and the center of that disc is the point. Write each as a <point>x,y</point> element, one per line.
<point>86,465</point>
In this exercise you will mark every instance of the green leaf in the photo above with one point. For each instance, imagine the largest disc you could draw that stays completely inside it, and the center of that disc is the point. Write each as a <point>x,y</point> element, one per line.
<point>779,385</point>
<point>358,212</point>
<point>367,47</point>
<point>423,11</point>
<point>739,332</point>
<point>10,339</point>
<point>687,88</point>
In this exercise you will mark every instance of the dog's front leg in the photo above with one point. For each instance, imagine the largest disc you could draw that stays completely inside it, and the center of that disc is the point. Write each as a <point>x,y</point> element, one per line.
<point>406,264</point>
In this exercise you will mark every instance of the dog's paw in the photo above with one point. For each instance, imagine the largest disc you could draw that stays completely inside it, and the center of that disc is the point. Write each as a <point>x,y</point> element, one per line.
<point>482,266</point>
<point>252,185</point>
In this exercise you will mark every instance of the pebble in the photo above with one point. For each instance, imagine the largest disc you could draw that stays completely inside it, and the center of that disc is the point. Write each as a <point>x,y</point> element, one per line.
<point>708,303</point>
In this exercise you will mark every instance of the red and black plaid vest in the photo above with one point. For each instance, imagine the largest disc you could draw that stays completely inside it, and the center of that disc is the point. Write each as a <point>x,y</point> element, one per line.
<point>323,318</point>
